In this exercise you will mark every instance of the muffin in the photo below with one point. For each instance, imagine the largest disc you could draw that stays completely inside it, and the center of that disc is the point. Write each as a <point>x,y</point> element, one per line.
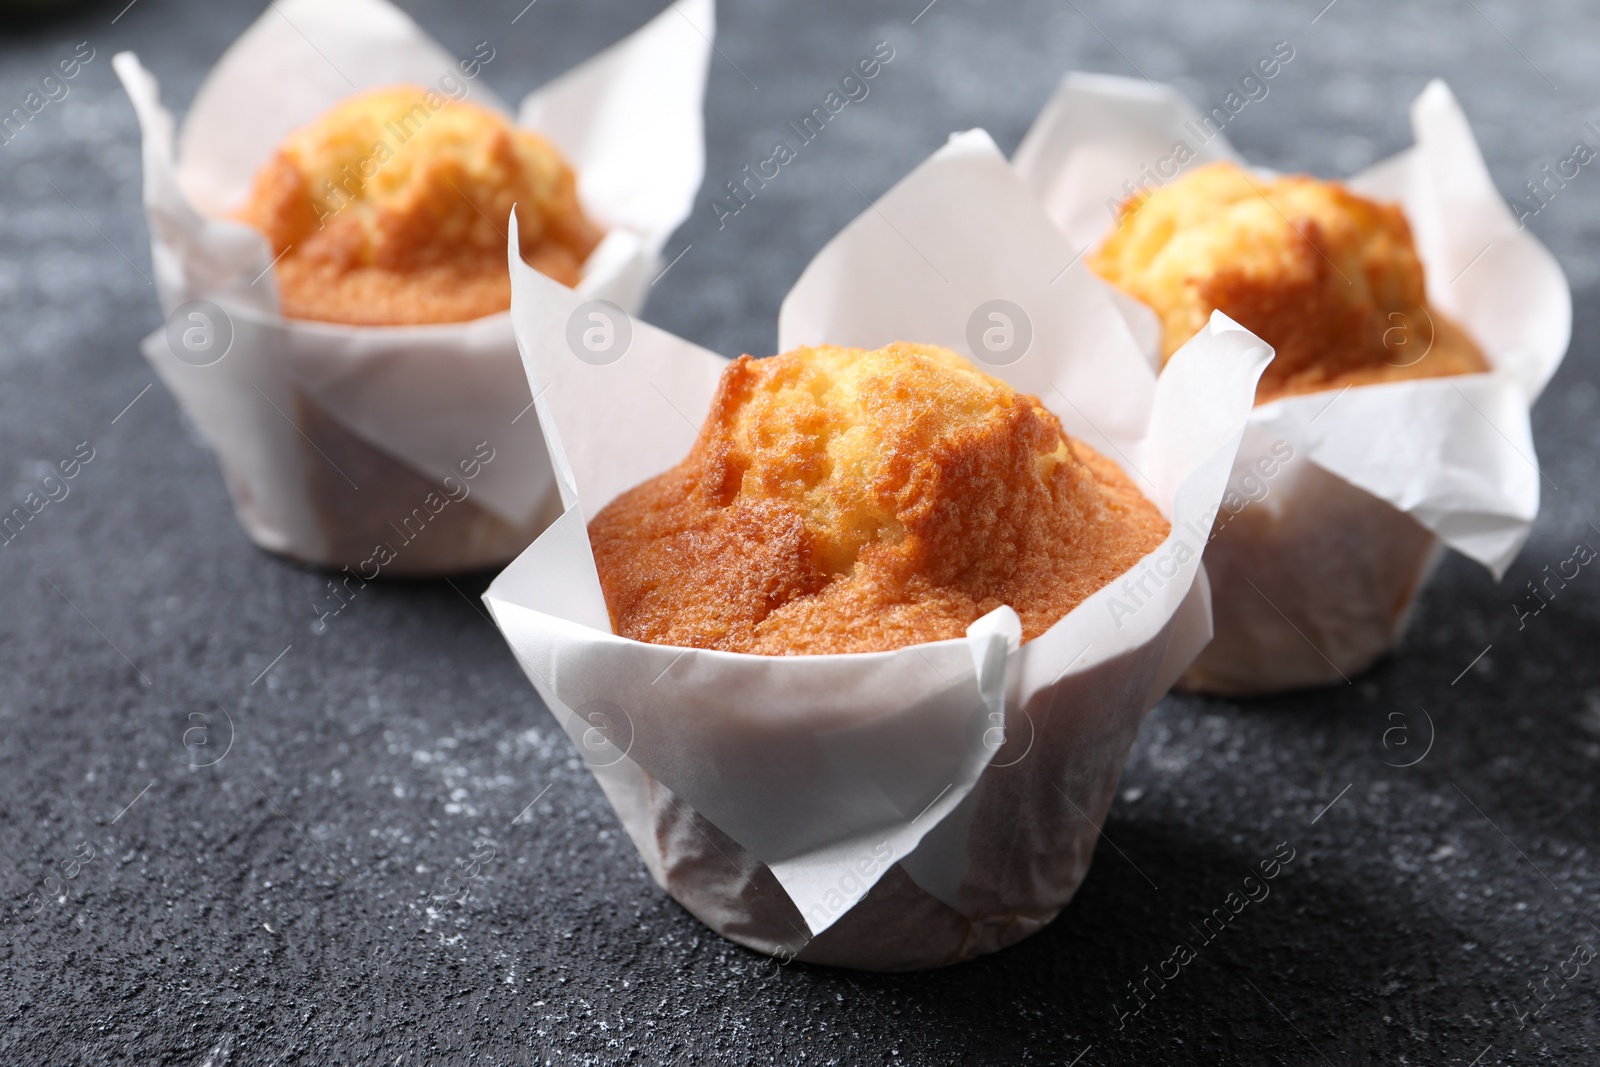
<point>860,673</point>
<point>1303,593</point>
<point>841,500</point>
<point>330,251</point>
<point>390,210</point>
<point>1330,279</point>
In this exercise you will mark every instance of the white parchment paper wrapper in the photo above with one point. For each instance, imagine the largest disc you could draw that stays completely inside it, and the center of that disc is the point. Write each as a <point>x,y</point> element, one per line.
<point>330,435</point>
<point>1380,475</point>
<point>861,809</point>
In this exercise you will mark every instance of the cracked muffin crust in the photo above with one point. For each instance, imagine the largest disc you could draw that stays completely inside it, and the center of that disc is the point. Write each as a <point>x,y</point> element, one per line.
<point>391,209</point>
<point>1329,278</point>
<point>841,500</point>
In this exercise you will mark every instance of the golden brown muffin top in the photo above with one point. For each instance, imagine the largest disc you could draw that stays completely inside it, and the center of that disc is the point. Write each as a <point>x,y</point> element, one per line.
<point>840,500</point>
<point>1330,279</point>
<point>391,209</point>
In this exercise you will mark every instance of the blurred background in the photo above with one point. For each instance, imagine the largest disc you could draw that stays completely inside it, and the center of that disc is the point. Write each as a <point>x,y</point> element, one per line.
<point>228,913</point>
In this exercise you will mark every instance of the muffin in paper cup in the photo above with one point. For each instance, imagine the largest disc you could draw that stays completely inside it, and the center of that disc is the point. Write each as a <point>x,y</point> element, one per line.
<point>405,450</point>
<point>1341,501</point>
<point>881,810</point>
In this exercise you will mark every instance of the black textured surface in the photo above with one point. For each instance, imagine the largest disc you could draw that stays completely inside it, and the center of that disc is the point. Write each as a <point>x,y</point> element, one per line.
<point>232,913</point>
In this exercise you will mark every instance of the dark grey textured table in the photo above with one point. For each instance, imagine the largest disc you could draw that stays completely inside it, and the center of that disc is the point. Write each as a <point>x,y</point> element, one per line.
<point>230,914</point>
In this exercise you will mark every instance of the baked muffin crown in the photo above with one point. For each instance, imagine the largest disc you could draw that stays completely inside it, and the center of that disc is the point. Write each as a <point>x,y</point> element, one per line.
<point>860,443</point>
<point>843,500</point>
<point>390,208</point>
<point>1329,278</point>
